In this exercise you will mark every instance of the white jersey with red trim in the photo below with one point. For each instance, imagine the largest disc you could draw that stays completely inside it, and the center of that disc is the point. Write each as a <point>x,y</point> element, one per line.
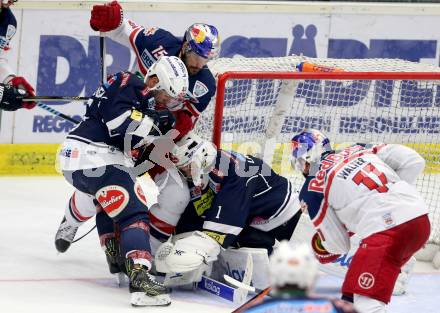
<point>363,189</point>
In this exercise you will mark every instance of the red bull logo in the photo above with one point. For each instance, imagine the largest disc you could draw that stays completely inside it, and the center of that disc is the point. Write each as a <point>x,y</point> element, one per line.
<point>198,34</point>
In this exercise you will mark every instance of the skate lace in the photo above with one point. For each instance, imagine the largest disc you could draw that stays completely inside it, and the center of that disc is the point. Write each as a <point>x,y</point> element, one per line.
<point>66,232</point>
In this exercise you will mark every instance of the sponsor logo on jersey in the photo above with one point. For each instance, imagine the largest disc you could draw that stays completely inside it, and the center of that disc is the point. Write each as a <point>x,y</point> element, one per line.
<point>69,153</point>
<point>136,115</point>
<point>195,192</point>
<point>216,236</point>
<point>216,187</point>
<point>113,199</point>
<point>204,202</point>
<point>317,184</point>
<point>388,219</point>
<point>366,280</point>
<point>199,89</point>
<point>147,58</point>
<point>140,193</point>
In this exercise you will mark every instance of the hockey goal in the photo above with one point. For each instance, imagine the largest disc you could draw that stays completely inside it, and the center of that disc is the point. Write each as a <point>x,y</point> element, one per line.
<point>262,102</point>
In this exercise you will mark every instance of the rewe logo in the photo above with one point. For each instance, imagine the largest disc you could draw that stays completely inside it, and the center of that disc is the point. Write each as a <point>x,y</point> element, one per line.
<point>209,285</point>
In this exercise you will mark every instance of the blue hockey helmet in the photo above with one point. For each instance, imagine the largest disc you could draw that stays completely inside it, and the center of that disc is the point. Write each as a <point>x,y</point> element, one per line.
<point>307,147</point>
<point>203,39</point>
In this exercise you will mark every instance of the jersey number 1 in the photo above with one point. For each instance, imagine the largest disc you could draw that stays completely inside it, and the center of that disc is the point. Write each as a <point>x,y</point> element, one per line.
<point>363,177</point>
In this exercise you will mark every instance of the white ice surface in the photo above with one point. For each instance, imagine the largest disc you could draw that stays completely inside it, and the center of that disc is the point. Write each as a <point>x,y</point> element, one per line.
<point>34,278</point>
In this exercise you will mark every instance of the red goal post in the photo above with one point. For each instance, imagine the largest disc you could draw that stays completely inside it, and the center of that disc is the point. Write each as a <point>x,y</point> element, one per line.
<point>369,100</point>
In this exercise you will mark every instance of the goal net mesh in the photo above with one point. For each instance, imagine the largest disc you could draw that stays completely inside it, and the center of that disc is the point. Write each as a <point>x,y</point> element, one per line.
<point>260,115</point>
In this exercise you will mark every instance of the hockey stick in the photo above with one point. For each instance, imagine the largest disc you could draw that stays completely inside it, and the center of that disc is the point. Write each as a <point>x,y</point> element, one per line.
<point>254,301</point>
<point>57,113</point>
<point>55,98</point>
<point>102,52</point>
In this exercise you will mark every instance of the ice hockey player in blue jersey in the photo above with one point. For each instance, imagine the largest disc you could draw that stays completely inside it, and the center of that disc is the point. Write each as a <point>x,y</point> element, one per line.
<point>98,159</point>
<point>200,44</point>
<point>13,88</point>
<point>236,200</point>
<point>293,271</point>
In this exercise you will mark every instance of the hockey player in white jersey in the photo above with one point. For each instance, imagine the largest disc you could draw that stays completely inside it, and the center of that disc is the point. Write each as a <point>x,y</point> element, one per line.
<point>293,272</point>
<point>13,88</point>
<point>98,159</point>
<point>368,190</point>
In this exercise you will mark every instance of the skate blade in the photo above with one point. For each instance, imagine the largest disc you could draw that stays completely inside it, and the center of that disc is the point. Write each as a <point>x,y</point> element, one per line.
<point>141,299</point>
<point>121,279</point>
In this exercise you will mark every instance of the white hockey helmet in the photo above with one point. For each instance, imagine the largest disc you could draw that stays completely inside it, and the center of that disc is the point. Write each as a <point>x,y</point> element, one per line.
<point>308,146</point>
<point>293,265</point>
<point>193,150</point>
<point>172,75</point>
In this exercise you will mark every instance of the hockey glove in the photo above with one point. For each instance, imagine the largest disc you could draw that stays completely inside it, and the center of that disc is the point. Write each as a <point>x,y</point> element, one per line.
<point>21,83</point>
<point>11,98</point>
<point>106,17</point>
<point>321,254</point>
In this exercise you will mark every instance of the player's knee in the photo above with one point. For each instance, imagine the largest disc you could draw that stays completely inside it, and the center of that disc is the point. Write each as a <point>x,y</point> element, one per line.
<point>135,221</point>
<point>80,208</point>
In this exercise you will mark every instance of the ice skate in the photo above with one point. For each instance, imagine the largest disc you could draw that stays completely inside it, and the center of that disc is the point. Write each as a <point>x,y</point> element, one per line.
<point>65,235</point>
<point>144,289</point>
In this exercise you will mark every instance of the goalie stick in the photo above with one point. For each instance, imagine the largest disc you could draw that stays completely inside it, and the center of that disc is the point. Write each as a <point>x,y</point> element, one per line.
<point>227,292</point>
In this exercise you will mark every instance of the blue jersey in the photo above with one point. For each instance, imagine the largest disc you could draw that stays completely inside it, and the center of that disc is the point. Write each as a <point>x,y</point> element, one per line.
<point>8,27</point>
<point>150,44</point>
<point>242,191</point>
<point>301,305</point>
<point>117,105</point>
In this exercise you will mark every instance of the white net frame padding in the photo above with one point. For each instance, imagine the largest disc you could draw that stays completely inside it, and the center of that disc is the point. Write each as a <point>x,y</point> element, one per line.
<point>260,115</point>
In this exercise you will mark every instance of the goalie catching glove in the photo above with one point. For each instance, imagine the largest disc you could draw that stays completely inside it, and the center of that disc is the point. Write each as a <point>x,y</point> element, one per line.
<point>320,252</point>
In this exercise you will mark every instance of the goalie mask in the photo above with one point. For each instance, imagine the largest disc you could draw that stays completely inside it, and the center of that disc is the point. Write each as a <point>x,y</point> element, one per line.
<point>173,79</point>
<point>194,157</point>
<point>307,147</point>
<point>293,266</point>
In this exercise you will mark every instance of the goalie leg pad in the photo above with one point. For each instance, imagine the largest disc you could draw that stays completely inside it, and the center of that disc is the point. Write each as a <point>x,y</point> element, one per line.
<point>233,262</point>
<point>190,253</point>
